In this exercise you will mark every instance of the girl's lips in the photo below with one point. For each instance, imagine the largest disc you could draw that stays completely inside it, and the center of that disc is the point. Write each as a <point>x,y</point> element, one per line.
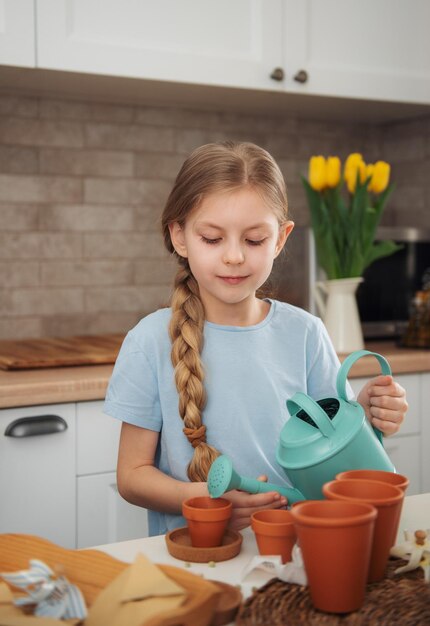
<point>233,280</point>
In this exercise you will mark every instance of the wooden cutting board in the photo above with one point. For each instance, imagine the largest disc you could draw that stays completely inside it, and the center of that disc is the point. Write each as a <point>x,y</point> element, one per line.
<point>59,351</point>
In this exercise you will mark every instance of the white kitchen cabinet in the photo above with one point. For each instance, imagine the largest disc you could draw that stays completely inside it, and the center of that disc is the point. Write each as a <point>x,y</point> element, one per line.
<point>375,50</point>
<point>367,50</point>
<point>425,432</point>
<point>38,472</point>
<point>405,449</point>
<point>192,41</point>
<point>17,33</point>
<point>103,516</point>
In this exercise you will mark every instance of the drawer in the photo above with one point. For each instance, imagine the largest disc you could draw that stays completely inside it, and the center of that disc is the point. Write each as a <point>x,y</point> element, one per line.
<point>103,516</point>
<point>405,454</point>
<point>97,439</point>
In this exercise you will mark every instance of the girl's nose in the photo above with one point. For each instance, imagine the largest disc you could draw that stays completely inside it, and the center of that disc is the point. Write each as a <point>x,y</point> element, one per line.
<point>233,254</point>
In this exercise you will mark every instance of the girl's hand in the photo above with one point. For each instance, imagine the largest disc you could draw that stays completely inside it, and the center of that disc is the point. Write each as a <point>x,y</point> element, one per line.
<point>384,402</point>
<point>245,504</point>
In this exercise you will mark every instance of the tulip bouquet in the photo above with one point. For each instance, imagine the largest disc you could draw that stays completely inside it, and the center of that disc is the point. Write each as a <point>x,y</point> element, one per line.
<point>344,230</point>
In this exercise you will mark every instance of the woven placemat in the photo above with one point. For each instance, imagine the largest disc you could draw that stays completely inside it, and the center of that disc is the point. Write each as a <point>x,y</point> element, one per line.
<point>402,600</point>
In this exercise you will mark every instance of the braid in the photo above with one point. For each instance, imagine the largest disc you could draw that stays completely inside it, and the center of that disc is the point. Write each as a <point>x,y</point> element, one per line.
<point>186,333</point>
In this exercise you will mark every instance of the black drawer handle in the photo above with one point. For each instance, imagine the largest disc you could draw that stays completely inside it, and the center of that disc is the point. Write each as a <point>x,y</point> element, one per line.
<point>34,426</point>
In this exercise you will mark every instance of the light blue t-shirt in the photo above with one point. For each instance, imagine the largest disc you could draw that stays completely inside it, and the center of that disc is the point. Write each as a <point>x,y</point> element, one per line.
<point>250,372</point>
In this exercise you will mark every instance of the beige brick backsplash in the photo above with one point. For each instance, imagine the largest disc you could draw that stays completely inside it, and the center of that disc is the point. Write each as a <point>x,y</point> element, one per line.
<point>126,191</point>
<point>155,271</point>
<point>124,245</point>
<point>18,106</point>
<point>86,162</point>
<point>19,216</point>
<point>20,327</point>
<point>61,245</point>
<point>129,137</point>
<point>18,160</point>
<point>187,140</point>
<point>109,191</point>
<point>405,149</point>
<point>19,274</point>
<point>20,245</point>
<point>148,218</point>
<point>37,132</point>
<point>15,188</point>
<point>46,301</point>
<point>113,113</point>
<point>83,185</point>
<point>87,323</point>
<point>87,217</point>
<point>137,298</point>
<point>407,198</point>
<point>5,301</point>
<point>64,110</point>
<point>158,166</point>
<point>84,273</point>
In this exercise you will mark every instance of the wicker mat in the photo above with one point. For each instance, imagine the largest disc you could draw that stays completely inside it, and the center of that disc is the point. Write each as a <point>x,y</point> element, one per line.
<point>402,600</point>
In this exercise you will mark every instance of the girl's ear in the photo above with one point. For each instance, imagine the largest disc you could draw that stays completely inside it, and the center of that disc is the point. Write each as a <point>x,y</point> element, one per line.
<point>284,233</point>
<point>178,239</point>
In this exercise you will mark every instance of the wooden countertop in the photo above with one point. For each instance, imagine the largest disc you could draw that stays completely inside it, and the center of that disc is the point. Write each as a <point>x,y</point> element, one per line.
<point>89,382</point>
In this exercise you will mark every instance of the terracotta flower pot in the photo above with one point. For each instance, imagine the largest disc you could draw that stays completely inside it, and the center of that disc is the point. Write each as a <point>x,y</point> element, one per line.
<point>388,500</point>
<point>207,520</point>
<point>386,477</point>
<point>335,539</point>
<point>274,532</point>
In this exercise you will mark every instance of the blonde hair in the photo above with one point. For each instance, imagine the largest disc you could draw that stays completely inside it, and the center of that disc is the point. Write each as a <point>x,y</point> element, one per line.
<point>210,169</point>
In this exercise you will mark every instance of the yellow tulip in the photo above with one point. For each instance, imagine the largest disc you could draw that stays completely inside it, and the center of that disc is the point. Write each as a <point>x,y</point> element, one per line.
<point>317,172</point>
<point>353,165</point>
<point>380,177</point>
<point>333,171</point>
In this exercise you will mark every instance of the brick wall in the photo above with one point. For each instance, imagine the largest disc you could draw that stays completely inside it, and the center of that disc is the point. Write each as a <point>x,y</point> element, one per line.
<point>82,187</point>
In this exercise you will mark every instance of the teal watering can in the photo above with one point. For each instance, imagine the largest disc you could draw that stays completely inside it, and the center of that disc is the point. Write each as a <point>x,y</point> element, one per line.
<point>330,436</point>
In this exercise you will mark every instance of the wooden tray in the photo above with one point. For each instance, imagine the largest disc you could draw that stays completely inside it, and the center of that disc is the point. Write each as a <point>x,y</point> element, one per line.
<point>92,570</point>
<point>179,545</point>
<point>56,351</point>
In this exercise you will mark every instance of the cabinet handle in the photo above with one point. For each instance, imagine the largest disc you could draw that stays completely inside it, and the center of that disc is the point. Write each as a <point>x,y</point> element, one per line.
<point>278,74</point>
<point>301,76</point>
<point>34,426</point>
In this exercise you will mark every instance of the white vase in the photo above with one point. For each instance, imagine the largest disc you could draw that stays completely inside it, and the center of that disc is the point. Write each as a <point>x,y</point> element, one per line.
<point>338,308</point>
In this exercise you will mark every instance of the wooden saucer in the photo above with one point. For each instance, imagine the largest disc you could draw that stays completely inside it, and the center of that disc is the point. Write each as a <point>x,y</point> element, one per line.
<point>179,545</point>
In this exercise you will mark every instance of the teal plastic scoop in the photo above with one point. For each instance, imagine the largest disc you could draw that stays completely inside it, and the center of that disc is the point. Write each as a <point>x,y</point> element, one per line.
<point>222,477</point>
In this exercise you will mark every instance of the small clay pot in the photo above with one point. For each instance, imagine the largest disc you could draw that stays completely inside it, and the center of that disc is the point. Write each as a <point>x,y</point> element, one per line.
<point>386,477</point>
<point>335,539</point>
<point>388,500</point>
<point>274,532</point>
<point>207,520</point>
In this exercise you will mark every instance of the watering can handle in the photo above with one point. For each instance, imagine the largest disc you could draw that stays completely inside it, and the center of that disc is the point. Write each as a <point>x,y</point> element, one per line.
<point>301,401</point>
<point>346,366</point>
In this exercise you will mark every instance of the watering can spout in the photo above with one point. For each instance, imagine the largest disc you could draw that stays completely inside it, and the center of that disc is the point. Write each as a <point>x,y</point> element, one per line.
<point>222,477</point>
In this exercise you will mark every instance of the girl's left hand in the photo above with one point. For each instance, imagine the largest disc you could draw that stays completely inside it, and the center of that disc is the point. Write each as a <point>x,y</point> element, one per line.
<point>384,402</point>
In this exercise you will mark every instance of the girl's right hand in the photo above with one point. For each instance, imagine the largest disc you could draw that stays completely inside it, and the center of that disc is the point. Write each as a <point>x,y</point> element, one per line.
<point>245,504</point>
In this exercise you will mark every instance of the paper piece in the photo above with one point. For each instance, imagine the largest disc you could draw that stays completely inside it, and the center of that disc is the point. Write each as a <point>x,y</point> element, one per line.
<point>291,572</point>
<point>156,584</point>
<point>416,550</point>
<point>54,597</point>
<point>121,605</point>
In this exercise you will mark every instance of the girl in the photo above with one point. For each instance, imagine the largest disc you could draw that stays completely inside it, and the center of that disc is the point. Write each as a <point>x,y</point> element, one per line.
<point>212,374</point>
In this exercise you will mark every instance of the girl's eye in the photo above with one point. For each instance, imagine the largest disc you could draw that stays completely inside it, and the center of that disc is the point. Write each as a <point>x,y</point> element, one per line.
<point>210,241</point>
<point>253,242</point>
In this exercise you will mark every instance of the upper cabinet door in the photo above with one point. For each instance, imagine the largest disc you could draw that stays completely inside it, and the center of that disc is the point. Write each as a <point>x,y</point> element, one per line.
<point>17,38</point>
<point>193,41</point>
<point>372,49</point>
